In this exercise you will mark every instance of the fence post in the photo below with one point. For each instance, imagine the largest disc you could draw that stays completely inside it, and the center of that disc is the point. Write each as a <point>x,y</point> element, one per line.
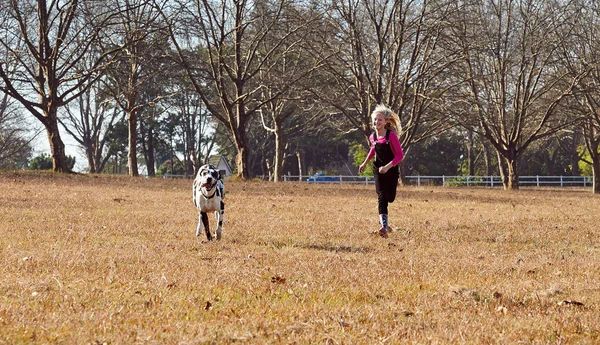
<point>585,181</point>
<point>443,180</point>
<point>419,180</point>
<point>561,180</point>
<point>468,185</point>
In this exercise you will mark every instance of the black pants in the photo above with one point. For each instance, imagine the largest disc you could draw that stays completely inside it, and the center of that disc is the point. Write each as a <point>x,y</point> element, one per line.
<point>385,186</point>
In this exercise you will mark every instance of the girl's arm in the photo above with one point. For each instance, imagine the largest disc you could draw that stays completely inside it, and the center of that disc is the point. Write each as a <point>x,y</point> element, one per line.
<point>370,155</point>
<point>396,148</point>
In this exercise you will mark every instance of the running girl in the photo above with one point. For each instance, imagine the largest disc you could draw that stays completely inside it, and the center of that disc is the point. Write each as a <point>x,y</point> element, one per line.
<point>385,147</point>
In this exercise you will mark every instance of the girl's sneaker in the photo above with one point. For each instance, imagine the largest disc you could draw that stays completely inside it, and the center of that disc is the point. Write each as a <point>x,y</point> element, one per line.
<point>383,233</point>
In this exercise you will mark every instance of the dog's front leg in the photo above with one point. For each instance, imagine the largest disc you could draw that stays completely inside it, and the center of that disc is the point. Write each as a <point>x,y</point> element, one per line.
<point>219,217</point>
<point>206,225</point>
<point>200,223</point>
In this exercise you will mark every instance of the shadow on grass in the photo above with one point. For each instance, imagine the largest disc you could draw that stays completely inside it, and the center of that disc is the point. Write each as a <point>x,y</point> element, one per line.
<point>322,247</point>
<point>336,249</point>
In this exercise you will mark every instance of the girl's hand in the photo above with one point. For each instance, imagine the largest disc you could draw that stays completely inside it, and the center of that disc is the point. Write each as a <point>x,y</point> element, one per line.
<point>383,169</point>
<point>361,168</point>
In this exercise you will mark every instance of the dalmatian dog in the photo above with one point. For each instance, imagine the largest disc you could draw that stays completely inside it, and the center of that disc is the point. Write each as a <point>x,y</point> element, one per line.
<point>208,192</point>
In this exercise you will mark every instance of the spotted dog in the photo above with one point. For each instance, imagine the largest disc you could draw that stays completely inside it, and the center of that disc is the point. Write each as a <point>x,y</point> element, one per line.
<point>208,192</point>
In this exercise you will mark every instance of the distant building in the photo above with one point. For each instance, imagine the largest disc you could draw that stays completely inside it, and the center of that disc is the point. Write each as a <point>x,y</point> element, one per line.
<point>219,162</point>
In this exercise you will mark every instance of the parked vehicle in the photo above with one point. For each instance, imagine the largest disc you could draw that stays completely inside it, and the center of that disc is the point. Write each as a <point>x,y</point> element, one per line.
<point>320,177</point>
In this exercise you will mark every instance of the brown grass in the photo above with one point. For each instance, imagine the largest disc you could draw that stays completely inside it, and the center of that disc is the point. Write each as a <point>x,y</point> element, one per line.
<point>93,260</point>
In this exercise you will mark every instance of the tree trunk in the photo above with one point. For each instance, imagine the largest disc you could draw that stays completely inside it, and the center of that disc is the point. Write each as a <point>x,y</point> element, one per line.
<point>574,155</point>
<point>279,147</point>
<point>470,145</point>
<point>269,170</point>
<point>502,170</point>
<point>99,162</point>
<point>89,153</point>
<point>299,156</point>
<point>241,160</point>
<point>513,176</point>
<point>487,159</point>
<point>150,160</point>
<point>596,171</point>
<point>57,147</point>
<point>132,147</point>
<point>402,175</point>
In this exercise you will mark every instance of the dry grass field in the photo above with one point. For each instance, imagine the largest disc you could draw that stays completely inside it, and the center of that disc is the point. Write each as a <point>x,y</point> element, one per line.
<point>113,260</point>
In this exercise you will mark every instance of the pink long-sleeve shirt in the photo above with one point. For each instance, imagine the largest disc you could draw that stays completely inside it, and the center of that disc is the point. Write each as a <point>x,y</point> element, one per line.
<point>394,145</point>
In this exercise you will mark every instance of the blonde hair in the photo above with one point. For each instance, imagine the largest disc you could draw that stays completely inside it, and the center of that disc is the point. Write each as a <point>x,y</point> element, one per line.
<point>392,121</point>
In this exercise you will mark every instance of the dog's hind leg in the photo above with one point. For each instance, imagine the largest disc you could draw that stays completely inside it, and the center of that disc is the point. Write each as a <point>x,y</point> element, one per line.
<point>219,217</point>
<point>206,225</point>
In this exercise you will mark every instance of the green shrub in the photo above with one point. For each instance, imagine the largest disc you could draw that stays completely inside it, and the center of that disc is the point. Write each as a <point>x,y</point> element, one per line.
<point>359,153</point>
<point>44,162</point>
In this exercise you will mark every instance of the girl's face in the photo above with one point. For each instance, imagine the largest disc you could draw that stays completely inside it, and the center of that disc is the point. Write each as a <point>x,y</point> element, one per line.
<point>378,121</point>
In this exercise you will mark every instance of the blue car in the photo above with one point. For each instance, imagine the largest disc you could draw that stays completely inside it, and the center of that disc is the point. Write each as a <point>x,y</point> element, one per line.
<point>320,177</point>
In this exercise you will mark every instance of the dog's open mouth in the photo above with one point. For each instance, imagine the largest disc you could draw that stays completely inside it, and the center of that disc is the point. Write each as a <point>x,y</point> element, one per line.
<point>206,185</point>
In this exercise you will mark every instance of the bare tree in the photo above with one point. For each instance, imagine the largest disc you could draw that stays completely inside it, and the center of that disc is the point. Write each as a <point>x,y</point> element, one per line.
<point>198,128</point>
<point>87,120</point>
<point>137,68</point>
<point>389,53</point>
<point>581,52</point>
<point>47,39</point>
<point>514,83</point>
<point>230,37</point>
<point>15,142</point>
<point>291,69</point>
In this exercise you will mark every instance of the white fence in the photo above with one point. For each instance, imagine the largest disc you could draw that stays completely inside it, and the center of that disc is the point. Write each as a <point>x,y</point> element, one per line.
<point>491,181</point>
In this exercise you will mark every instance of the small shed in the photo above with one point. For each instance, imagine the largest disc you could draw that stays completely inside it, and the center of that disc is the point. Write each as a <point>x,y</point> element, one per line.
<point>219,162</point>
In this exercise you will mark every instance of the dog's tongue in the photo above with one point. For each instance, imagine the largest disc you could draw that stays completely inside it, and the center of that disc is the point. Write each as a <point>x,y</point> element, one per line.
<point>205,185</point>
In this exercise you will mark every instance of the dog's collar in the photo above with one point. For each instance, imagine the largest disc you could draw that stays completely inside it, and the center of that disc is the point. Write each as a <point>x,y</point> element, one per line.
<point>209,197</point>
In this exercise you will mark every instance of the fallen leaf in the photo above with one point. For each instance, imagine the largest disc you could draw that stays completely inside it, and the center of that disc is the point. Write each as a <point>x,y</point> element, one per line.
<point>342,323</point>
<point>407,313</point>
<point>570,302</point>
<point>278,279</point>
